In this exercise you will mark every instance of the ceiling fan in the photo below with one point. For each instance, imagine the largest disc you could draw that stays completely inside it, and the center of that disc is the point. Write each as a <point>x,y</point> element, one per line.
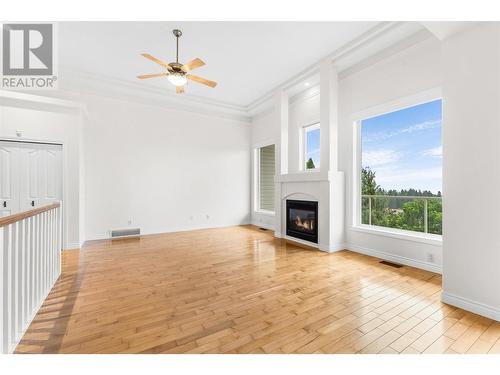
<point>177,73</point>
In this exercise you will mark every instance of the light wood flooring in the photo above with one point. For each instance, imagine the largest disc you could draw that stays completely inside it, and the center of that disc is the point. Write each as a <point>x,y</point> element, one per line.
<point>239,290</point>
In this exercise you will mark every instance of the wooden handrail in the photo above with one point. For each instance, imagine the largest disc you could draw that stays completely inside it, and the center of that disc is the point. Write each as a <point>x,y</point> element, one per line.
<point>4,221</point>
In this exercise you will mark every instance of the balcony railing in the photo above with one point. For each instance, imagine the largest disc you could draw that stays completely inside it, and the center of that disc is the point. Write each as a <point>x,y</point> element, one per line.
<point>30,263</point>
<point>414,213</point>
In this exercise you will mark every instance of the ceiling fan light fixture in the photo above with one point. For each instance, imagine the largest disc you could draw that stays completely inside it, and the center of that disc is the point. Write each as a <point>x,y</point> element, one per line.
<point>177,79</point>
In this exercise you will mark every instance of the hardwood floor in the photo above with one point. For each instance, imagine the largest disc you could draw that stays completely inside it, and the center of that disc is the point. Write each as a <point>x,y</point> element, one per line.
<point>239,290</point>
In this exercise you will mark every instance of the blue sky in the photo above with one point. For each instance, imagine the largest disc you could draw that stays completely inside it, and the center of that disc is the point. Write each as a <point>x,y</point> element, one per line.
<point>313,147</point>
<point>404,147</point>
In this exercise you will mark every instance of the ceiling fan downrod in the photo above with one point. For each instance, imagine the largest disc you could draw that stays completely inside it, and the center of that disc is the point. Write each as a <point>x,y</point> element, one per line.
<point>177,33</point>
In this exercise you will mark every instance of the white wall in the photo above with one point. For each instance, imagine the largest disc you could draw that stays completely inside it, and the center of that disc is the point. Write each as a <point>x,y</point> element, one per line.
<point>264,131</point>
<point>128,164</point>
<point>162,170</point>
<point>404,74</point>
<point>471,151</point>
<point>52,126</point>
<point>303,111</point>
<point>407,73</point>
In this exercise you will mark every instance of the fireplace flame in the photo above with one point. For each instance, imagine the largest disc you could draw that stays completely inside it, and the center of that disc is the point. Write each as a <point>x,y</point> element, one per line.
<point>304,224</point>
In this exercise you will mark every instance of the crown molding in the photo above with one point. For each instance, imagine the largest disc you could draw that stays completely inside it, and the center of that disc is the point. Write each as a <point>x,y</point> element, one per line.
<point>402,45</point>
<point>82,82</point>
<point>376,31</point>
<point>264,105</point>
<point>37,102</point>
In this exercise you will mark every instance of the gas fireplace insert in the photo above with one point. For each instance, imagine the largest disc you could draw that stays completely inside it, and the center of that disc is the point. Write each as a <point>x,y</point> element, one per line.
<point>302,220</point>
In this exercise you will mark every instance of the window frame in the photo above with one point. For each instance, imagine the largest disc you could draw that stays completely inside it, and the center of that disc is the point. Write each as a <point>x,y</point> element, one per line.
<point>303,151</point>
<point>357,118</point>
<point>256,177</point>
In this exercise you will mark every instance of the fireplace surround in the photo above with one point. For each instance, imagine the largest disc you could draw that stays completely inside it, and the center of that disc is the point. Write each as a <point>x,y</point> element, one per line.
<point>302,220</point>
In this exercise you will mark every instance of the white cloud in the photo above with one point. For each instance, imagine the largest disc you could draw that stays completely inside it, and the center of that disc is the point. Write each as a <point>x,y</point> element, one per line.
<point>408,130</point>
<point>425,178</point>
<point>422,126</point>
<point>375,158</point>
<point>436,152</point>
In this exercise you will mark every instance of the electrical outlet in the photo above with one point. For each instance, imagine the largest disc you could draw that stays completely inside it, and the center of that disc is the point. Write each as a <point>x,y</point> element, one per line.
<point>129,222</point>
<point>430,257</point>
<point>208,217</point>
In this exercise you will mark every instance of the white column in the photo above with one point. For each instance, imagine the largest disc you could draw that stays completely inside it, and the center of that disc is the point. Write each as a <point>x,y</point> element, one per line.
<point>471,174</point>
<point>281,110</point>
<point>282,116</point>
<point>328,116</point>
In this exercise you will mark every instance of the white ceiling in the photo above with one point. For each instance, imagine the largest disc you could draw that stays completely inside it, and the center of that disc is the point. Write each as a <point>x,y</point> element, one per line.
<point>247,59</point>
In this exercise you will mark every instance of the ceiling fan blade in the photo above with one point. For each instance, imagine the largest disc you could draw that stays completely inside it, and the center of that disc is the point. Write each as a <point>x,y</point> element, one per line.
<point>154,59</point>
<point>201,80</point>
<point>196,63</point>
<point>144,76</point>
<point>179,89</point>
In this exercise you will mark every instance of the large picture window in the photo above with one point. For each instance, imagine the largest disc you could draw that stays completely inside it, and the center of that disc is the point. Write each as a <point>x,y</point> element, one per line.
<point>401,169</point>
<point>265,178</point>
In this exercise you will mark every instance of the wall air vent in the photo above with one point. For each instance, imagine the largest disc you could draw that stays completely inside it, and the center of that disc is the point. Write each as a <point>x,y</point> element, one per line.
<point>122,233</point>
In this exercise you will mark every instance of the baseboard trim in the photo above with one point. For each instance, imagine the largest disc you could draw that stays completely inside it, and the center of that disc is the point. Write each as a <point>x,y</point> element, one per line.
<point>332,248</point>
<point>263,225</point>
<point>71,246</point>
<point>396,258</point>
<point>171,230</point>
<point>470,305</point>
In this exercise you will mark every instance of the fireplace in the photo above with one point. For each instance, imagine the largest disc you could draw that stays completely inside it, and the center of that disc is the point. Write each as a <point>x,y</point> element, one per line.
<point>302,220</point>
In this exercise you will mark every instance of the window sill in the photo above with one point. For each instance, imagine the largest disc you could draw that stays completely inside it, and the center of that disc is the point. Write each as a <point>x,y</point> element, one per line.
<point>264,212</point>
<point>310,170</point>
<point>431,239</point>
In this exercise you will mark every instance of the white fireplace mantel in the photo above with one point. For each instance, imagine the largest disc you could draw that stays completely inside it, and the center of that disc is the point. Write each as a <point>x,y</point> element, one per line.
<point>326,185</point>
<point>325,188</point>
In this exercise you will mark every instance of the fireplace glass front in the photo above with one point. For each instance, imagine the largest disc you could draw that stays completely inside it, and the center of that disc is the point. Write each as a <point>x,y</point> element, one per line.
<point>302,220</point>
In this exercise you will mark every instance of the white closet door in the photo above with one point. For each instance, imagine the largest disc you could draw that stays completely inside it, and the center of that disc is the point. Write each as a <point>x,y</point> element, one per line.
<point>35,174</point>
<point>9,181</point>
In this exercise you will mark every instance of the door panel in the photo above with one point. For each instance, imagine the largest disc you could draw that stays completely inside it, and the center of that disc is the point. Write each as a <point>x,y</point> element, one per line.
<point>52,180</point>
<point>8,182</point>
<point>34,175</point>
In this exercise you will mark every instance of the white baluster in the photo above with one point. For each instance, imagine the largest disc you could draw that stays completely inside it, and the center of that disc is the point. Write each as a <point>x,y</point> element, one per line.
<point>30,263</point>
<point>54,245</point>
<point>3,318</point>
<point>44,254</point>
<point>60,240</point>
<point>26,271</point>
<point>38,258</point>
<point>20,278</point>
<point>49,250</point>
<point>7,288</point>
<point>31,293</point>
<point>15,286</point>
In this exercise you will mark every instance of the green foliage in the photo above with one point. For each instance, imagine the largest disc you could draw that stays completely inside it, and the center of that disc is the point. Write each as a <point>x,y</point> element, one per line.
<point>407,214</point>
<point>368,184</point>
<point>310,164</point>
